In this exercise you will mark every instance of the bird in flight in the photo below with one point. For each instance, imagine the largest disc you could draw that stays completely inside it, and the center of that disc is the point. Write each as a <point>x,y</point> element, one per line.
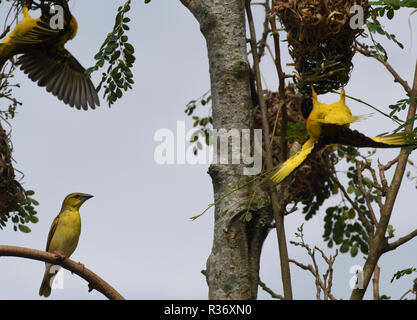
<point>41,45</point>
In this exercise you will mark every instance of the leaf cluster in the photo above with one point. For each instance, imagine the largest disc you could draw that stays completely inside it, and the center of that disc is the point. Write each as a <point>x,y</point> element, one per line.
<point>23,214</point>
<point>118,54</point>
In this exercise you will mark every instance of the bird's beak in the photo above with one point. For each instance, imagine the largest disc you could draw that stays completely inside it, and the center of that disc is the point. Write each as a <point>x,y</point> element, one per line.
<point>86,196</point>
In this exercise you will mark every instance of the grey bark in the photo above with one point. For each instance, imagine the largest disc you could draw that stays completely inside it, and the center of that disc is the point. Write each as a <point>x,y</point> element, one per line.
<point>233,265</point>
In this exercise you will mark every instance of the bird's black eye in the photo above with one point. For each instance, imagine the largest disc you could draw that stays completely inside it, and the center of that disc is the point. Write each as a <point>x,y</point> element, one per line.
<point>77,196</point>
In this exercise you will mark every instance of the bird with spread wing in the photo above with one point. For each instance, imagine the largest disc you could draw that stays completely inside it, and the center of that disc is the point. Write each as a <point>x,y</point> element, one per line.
<point>41,45</point>
<point>329,124</point>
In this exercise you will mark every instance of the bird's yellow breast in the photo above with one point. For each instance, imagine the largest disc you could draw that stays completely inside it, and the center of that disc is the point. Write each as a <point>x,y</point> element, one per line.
<point>338,113</point>
<point>22,28</point>
<point>67,232</point>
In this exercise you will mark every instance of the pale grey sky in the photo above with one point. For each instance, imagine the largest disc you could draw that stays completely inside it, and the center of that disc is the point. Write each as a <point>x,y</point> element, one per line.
<point>135,231</point>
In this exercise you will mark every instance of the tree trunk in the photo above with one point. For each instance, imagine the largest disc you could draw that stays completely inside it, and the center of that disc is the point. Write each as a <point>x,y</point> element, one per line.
<point>233,265</point>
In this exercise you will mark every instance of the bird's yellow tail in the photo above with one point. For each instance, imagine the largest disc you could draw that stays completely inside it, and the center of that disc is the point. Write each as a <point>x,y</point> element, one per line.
<point>45,289</point>
<point>361,117</point>
<point>396,139</point>
<point>293,162</point>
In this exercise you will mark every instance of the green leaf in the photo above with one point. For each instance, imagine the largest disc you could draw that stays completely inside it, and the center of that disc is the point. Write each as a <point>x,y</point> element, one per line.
<point>354,251</point>
<point>118,54</point>
<point>345,247</point>
<point>260,204</point>
<point>248,217</point>
<point>24,228</point>
<point>33,219</point>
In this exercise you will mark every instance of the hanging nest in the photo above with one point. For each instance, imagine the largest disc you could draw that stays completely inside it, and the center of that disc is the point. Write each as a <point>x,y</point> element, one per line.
<point>310,183</point>
<point>10,189</point>
<point>320,40</point>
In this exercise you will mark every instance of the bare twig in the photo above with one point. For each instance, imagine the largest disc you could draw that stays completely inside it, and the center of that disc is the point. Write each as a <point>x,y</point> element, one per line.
<point>6,31</point>
<point>263,41</point>
<point>377,186</point>
<point>379,243</point>
<point>360,167</point>
<point>364,220</point>
<point>363,50</point>
<point>281,88</point>
<point>272,293</point>
<point>370,106</point>
<point>278,215</point>
<point>400,241</point>
<point>326,284</point>
<point>328,276</point>
<point>94,280</point>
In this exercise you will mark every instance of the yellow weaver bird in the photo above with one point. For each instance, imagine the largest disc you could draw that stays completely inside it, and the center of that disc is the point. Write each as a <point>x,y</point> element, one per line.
<point>63,236</point>
<point>44,57</point>
<point>329,124</point>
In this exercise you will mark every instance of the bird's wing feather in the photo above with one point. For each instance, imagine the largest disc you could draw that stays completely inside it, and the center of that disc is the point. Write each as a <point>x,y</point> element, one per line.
<point>41,33</point>
<point>62,75</point>
<point>52,232</point>
<point>354,138</point>
<point>342,121</point>
<point>293,162</point>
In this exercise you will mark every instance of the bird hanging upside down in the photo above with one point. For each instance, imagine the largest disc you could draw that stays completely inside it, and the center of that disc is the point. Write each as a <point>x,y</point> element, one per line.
<point>63,236</point>
<point>46,61</point>
<point>329,124</point>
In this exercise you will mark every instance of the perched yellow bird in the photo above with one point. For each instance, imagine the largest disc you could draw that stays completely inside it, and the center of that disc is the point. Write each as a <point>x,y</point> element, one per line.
<point>46,61</point>
<point>63,236</point>
<point>329,124</point>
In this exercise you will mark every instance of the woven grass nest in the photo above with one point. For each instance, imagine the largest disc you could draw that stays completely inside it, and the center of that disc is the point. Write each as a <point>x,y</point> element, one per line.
<point>10,189</point>
<point>320,40</point>
<point>311,179</point>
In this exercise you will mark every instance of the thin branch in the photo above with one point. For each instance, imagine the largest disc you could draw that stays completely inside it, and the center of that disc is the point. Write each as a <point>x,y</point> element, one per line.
<point>263,42</point>
<point>6,31</point>
<point>376,185</point>
<point>370,106</point>
<point>278,216</point>
<point>272,293</point>
<point>95,282</point>
<point>378,245</point>
<point>277,60</point>
<point>303,266</point>
<point>382,168</point>
<point>363,50</point>
<point>281,88</point>
<point>360,168</point>
<point>361,216</point>
<point>315,272</point>
<point>394,245</point>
